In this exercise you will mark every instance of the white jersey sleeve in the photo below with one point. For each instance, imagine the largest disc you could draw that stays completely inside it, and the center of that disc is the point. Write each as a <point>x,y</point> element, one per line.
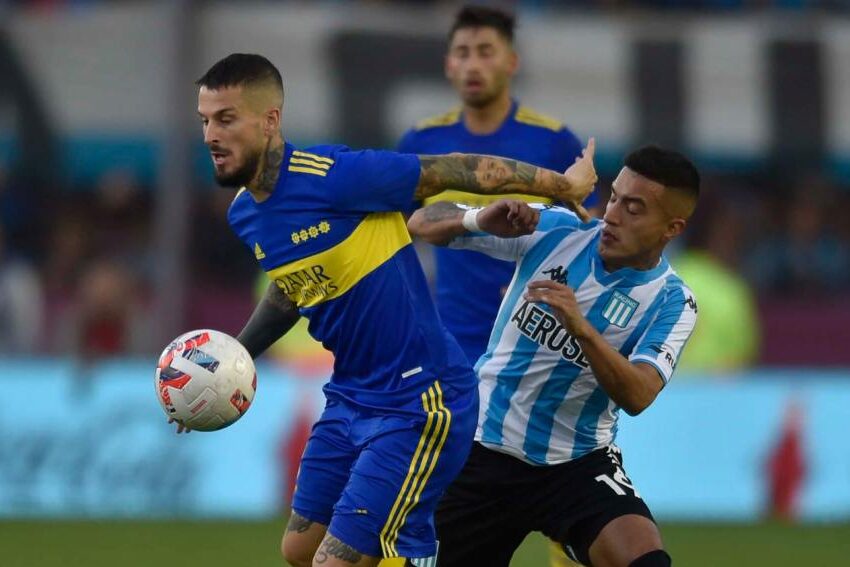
<point>512,249</point>
<point>662,343</point>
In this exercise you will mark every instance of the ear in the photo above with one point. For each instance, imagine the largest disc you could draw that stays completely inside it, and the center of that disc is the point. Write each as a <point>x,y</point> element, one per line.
<point>674,228</point>
<point>446,67</point>
<point>513,63</point>
<point>271,122</point>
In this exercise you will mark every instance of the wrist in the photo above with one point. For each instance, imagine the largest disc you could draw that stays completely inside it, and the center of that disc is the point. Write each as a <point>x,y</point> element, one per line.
<point>470,220</point>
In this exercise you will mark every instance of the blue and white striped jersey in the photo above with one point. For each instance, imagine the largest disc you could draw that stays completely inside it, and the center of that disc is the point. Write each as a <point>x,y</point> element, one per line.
<point>539,398</point>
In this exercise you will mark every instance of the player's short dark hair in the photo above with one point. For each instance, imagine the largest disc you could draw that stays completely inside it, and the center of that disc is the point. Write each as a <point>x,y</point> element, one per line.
<point>471,16</point>
<point>241,69</point>
<point>667,167</point>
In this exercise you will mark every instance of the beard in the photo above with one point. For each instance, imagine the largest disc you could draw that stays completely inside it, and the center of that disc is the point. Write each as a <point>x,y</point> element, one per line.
<point>242,175</point>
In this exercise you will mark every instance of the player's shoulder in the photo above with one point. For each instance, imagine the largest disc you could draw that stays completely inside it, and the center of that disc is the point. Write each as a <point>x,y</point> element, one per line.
<point>556,216</point>
<point>441,120</point>
<point>315,161</point>
<point>529,116</point>
<point>677,290</point>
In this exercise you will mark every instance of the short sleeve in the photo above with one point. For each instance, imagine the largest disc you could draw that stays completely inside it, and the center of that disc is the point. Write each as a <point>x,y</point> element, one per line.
<point>664,339</point>
<point>374,181</point>
<point>567,149</point>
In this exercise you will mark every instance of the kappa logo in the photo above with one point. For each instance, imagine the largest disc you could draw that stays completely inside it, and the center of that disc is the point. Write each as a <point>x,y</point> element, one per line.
<point>557,274</point>
<point>692,303</point>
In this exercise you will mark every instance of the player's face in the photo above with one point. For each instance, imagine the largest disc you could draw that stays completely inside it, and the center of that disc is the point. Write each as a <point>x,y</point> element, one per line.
<point>480,65</point>
<point>636,225</point>
<point>233,131</point>
<point>492,172</point>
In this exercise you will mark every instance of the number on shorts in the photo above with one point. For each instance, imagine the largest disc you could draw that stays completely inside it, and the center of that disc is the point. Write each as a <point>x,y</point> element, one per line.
<point>620,480</point>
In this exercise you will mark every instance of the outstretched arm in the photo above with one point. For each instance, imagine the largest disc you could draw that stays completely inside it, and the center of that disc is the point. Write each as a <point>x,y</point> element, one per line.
<point>490,175</point>
<point>274,315</point>
<point>441,222</point>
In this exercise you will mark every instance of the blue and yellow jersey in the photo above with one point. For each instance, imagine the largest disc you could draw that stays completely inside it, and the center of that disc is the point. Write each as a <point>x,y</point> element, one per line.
<point>331,237</point>
<point>525,135</point>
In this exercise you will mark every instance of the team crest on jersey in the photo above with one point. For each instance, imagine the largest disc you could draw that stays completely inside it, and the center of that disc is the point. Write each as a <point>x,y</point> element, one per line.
<point>619,309</point>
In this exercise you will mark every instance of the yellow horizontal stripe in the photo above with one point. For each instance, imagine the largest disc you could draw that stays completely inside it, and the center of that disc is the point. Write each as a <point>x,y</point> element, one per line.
<point>310,162</point>
<point>474,200</point>
<point>332,272</point>
<point>324,159</point>
<point>300,169</point>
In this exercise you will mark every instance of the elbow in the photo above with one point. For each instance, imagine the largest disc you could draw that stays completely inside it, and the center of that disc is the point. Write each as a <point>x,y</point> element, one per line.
<point>637,403</point>
<point>417,227</point>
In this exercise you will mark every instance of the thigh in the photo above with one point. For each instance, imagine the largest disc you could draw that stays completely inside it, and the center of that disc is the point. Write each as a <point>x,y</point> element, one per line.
<point>325,465</point>
<point>387,507</point>
<point>624,539</point>
<point>595,491</point>
<point>478,520</point>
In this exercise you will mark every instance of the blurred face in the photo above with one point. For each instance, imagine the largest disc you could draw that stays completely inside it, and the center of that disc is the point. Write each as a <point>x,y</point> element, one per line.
<point>234,132</point>
<point>637,223</point>
<point>480,65</point>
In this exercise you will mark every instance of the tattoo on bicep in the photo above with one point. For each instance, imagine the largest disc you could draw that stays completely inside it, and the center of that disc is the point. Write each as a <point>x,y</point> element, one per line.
<point>441,210</point>
<point>332,547</point>
<point>298,523</point>
<point>448,171</point>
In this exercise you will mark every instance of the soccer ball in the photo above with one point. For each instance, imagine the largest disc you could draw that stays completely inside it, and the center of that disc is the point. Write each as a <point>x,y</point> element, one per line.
<point>205,380</point>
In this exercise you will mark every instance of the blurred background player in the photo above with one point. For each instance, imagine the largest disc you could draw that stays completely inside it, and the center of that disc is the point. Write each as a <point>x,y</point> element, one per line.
<point>402,405</point>
<point>594,320</point>
<point>480,64</point>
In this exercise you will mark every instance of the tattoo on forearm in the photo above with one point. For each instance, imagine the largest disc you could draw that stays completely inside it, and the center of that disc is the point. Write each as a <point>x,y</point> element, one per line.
<point>298,524</point>
<point>442,210</point>
<point>271,169</point>
<point>332,547</point>
<point>486,175</point>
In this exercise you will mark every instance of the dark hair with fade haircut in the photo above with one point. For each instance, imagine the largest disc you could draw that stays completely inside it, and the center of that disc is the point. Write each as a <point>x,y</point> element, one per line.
<point>239,69</point>
<point>471,16</point>
<point>667,167</point>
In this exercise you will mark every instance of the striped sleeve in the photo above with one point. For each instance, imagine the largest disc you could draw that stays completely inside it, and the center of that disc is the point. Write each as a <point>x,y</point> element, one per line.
<point>512,249</point>
<point>665,337</point>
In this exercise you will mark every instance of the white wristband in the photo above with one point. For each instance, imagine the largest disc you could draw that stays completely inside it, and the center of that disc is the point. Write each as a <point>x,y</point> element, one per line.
<point>470,220</point>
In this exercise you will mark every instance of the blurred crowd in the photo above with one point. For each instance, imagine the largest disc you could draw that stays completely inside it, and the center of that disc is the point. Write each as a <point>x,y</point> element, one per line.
<point>77,267</point>
<point>595,5</point>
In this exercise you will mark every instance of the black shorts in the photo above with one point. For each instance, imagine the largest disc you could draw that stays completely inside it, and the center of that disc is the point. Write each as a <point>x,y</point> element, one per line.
<point>497,500</point>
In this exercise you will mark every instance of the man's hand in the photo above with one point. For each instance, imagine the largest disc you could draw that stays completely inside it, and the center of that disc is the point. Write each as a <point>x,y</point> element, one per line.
<point>563,302</point>
<point>582,177</point>
<point>180,427</point>
<point>508,219</point>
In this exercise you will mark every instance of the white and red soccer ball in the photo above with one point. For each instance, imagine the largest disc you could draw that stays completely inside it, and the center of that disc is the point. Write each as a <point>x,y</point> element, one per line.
<point>205,379</point>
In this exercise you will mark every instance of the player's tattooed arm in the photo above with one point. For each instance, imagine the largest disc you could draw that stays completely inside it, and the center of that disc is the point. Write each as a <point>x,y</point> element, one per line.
<point>490,175</point>
<point>274,315</point>
<point>441,222</point>
<point>298,523</point>
<point>333,548</point>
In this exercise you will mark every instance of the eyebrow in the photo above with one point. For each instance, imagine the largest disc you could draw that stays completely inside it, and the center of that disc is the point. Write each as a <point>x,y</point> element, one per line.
<point>639,200</point>
<point>220,112</point>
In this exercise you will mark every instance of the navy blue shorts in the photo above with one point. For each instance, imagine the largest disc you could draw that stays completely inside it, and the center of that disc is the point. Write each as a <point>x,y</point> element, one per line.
<point>374,477</point>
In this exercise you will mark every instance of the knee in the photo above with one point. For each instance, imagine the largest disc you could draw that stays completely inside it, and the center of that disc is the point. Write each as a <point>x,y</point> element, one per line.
<point>655,558</point>
<point>296,551</point>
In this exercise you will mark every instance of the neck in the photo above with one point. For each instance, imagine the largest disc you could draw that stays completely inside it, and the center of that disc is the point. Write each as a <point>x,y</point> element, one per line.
<point>487,119</point>
<point>262,186</point>
<point>642,264</point>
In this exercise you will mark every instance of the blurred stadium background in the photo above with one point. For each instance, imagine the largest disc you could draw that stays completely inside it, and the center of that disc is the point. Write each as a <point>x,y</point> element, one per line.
<point>113,240</point>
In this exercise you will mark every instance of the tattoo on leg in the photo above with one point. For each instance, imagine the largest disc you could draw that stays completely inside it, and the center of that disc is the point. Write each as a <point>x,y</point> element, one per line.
<point>298,524</point>
<point>332,547</point>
